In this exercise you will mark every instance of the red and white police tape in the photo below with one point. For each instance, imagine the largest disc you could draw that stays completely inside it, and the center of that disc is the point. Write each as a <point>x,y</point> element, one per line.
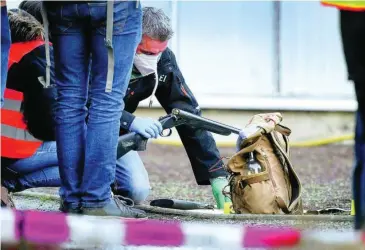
<point>57,228</point>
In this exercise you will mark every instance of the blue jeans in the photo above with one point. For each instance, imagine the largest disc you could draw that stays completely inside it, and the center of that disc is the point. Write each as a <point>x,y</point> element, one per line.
<point>5,46</point>
<point>358,185</point>
<point>41,170</point>
<point>131,177</point>
<point>87,151</point>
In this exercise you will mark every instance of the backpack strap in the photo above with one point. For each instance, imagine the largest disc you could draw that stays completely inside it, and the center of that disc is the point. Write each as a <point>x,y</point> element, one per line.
<point>46,34</point>
<point>109,45</point>
<point>282,205</point>
<point>293,178</point>
<point>282,130</point>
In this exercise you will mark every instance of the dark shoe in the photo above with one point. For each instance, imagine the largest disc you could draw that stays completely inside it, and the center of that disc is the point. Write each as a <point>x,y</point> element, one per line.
<point>117,207</point>
<point>67,210</point>
<point>6,199</point>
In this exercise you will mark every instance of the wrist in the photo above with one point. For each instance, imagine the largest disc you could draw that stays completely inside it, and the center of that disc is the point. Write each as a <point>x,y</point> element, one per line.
<point>131,122</point>
<point>126,120</point>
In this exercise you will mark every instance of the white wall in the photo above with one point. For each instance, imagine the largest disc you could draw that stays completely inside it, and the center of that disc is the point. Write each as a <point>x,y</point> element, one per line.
<point>12,3</point>
<point>226,51</point>
<point>313,63</point>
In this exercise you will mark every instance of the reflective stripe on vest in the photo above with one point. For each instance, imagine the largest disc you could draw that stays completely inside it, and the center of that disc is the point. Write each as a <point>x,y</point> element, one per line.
<point>351,5</point>
<point>16,141</point>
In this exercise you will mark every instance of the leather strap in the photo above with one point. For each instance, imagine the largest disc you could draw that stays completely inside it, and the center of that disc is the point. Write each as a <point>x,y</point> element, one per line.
<point>296,194</point>
<point>282,130</point>
<point>282,205</point>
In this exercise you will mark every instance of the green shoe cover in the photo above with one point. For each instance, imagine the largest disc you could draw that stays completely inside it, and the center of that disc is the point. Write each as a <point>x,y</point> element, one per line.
<point>218,184</point>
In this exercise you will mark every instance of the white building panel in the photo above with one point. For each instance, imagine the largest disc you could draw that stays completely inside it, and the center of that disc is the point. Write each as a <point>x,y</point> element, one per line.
<point>226,48</point>
<point>227,53</point>
<point>312,59</point>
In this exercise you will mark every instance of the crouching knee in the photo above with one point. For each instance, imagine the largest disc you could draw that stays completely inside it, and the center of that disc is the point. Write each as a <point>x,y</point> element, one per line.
<point>139,194</point>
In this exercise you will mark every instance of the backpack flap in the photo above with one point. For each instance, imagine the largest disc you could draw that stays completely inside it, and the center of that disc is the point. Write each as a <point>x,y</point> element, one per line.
<point>237,163</point>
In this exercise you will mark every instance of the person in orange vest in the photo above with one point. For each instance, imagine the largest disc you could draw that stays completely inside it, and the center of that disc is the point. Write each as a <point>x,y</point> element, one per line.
<point>17,143</point>
<point>352,26</point>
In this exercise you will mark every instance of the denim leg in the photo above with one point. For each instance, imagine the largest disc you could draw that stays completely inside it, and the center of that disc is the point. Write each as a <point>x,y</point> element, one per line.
<point>71,59</point>
<point>358,184</point>
<point>46,177</point>
<point>39,170</point>
<point>106,108</point>
<point>72,76</point>
<point>131,178</point>
<point>5,46</point>
<point>46,156</point>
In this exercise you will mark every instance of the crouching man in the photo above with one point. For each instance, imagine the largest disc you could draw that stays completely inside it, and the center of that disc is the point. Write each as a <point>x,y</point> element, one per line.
<point>156,73</point>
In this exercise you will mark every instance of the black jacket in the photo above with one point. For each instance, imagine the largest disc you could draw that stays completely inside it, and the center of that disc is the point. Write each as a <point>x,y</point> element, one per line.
<point>23,76</point>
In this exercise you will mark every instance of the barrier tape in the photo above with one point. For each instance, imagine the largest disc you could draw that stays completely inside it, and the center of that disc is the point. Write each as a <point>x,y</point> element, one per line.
<point>53,228</point>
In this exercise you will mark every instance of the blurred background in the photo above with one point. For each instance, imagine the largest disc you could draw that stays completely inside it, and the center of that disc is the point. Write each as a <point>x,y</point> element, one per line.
<point>245,57</point>
<point>260,54</point>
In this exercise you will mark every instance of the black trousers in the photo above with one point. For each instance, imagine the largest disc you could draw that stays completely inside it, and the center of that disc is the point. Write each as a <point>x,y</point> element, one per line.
<point>353,40</point>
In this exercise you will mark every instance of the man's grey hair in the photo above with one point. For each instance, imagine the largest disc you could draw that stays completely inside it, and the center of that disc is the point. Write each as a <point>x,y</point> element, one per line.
<point>156,24</point>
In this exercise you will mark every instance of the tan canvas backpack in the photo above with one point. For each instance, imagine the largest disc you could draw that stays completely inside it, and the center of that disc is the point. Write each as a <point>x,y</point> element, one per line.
<point>262,178</point>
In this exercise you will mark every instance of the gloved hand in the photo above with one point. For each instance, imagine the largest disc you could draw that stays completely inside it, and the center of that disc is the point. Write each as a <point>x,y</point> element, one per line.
<point>218,184</point>
<point>146,127</point>
<point>241,137</point>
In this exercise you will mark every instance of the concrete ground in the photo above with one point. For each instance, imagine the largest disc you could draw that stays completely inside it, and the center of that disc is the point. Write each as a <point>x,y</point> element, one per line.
<point>325,173</point>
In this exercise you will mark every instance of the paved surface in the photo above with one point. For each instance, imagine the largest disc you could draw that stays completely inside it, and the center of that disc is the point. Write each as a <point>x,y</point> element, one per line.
<point>324,171</point>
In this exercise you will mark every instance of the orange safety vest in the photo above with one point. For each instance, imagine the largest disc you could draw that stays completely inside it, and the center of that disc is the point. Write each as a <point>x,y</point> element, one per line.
<point>16,141</point>
<point>351,5</point>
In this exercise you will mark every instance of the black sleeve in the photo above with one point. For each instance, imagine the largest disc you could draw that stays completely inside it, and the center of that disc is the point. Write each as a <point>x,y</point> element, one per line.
<point>199,144</point>
<point>126,120</point>
<point>172,90</point>
<point>38,102</point>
